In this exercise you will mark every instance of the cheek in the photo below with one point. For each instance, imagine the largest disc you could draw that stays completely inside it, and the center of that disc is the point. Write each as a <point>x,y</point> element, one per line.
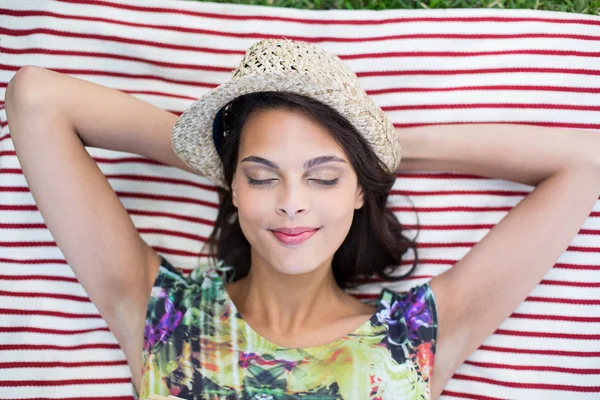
<point>337,213</point>
<point>253,211</point>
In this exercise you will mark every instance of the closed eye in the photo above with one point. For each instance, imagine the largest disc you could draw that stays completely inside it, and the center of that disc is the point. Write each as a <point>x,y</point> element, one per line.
<point>260,182</point>
<point>324,182</point>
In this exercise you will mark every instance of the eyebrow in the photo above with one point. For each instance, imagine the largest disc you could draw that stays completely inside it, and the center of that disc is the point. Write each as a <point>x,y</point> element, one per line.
<point>309,164</point>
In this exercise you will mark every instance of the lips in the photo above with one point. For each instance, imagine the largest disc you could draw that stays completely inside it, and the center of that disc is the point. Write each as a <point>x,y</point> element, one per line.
<point>294,236</point>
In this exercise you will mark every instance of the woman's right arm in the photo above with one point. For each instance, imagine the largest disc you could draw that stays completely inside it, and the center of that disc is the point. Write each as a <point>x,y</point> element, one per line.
<point>51,118</point>
<point>102,117</point>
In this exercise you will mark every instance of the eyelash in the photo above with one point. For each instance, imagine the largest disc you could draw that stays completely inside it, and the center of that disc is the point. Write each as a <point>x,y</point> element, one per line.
<point>257,182</point>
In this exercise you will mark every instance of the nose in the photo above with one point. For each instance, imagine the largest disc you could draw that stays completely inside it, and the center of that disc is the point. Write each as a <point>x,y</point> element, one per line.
<point>292,200</point>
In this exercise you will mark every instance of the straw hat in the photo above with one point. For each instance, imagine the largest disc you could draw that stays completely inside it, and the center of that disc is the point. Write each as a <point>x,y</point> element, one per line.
<point>290,66</point>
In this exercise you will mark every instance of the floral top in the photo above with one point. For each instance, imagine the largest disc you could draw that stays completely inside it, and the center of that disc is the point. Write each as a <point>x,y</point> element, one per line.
<point>197,346</point>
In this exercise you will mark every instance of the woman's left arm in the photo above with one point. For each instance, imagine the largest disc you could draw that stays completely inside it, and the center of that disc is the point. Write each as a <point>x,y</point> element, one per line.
<point>518,153</point>
<point>483,288</point>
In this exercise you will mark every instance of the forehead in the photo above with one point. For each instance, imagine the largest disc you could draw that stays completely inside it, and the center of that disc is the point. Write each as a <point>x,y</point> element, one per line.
<point>283,134</point>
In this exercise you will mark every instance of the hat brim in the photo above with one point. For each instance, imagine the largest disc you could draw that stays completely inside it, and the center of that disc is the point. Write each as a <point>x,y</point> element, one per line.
<point>192,135</point>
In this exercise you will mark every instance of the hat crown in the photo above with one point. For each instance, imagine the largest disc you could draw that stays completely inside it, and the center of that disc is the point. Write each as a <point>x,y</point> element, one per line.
<point>284,56</point>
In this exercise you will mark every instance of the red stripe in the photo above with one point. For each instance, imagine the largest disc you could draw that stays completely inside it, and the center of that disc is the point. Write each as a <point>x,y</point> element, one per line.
<point>157,93</point>
<point>3,137</point>
<point>430,175</point>
<point>10,207</point>
<point>66,382</point>
<point>577,71</point>
<point>542,282</point>
<point>33,261</point>
<point>28,244</point>
<point>507,193</point>
<point>451,209</point>
<point>443,227</point>
<point>71,297</point>
<point>536,106</point>
<point>570,283</point>
<point>472,227</point>
<point>548,124</point>
<point>30,329</point>
<point>23,226</point>
<point>38,277</point>
<point>579,371</point>
<point>35,347</point>
<point>555,335</point>
<point>523,385</point>
<point>526,88</point>
<point>468,395</point>
<point>332,21</point>
<point>120,160</point>
<point>554,317</point>
<point>465,53</point>
<point>76,398</point>
<point>59,364</point>
<point>544,352</point>
<point>463,209</point>
<point>577,267</point>
<point>7,311</point>
<point>583,302</point>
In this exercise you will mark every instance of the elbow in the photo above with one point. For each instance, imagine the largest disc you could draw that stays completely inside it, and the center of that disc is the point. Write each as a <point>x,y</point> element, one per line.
<point>24,94</point>
<point>24,89</point>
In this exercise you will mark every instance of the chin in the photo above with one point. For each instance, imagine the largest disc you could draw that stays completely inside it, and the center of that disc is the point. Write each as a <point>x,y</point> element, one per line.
<point>295,269</point>
<point>293,265</point>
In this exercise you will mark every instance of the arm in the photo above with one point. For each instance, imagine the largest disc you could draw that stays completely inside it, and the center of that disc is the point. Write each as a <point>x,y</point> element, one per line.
<point>51,117</point>
<point>483,289</point>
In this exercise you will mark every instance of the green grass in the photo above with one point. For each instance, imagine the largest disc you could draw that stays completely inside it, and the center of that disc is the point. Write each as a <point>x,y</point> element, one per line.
<point>575,6</point>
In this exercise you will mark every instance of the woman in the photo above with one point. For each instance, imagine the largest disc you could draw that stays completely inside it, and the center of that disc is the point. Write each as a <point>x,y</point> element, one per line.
<point>305,173</point>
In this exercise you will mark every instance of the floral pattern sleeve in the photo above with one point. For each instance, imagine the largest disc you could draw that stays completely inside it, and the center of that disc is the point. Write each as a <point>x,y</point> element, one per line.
<point>167,304</point>
<point>411,318</point>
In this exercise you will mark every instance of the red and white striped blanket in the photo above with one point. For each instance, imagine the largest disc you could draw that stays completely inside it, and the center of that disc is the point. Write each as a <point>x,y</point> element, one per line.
<point>423,67</point>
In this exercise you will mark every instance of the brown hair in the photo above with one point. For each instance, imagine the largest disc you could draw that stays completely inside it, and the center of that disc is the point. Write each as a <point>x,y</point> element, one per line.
<point>375,243</point>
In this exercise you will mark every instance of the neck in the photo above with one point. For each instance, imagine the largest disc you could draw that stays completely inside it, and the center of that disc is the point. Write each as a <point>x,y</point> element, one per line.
<point>286,303</point>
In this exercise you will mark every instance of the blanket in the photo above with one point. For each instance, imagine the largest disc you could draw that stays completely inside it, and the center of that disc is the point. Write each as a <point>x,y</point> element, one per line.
<point>423,67</point>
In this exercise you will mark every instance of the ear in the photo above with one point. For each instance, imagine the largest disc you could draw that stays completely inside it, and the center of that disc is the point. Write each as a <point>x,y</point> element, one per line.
<point>360,198</point>
<point>234,191</point>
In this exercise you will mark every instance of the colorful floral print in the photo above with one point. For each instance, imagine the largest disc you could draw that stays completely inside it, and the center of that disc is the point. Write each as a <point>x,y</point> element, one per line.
<point>197,346</point>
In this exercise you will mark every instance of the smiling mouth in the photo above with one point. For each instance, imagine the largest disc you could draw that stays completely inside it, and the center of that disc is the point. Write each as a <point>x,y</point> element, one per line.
<point>290,238</point>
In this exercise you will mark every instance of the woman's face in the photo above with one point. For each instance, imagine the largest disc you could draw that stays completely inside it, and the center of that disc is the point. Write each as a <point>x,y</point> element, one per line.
<point>295,191</point>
